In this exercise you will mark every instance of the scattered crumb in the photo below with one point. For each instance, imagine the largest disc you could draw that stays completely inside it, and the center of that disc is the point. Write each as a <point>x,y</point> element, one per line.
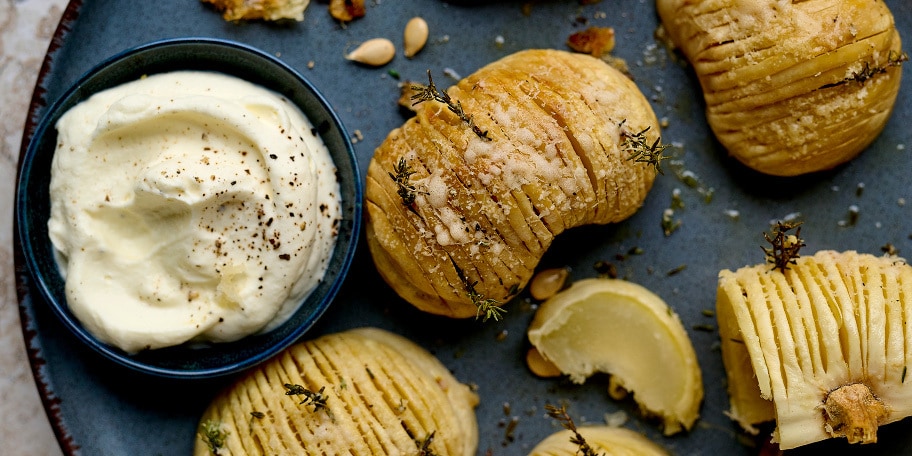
<point>451,73</point>
<point>790,217</point>
<point>852,217</point>
<point>595,41</point>
<point>346,10</point>
<point>616,419</point>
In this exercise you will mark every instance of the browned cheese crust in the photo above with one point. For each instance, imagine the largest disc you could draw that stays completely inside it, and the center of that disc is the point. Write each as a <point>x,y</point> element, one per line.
<point>487,208</point>
<point>791,87</point>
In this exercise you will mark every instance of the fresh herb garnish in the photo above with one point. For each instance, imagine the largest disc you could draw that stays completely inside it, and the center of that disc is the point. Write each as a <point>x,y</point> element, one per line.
<point>317,399</point>
<point>561,415</point>
<point>487,308</point>
<point>211,432</point>
<point>424,445</point>
<point>867,72</point>
<point>785,247</point>
<point>639,150</point>
<point>669,223</point>
<point>430,92</point>
<point>676,270</point>
<point>405,190</point>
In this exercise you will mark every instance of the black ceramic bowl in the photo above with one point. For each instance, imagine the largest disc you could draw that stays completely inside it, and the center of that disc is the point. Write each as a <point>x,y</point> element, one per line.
<point>33,199</point>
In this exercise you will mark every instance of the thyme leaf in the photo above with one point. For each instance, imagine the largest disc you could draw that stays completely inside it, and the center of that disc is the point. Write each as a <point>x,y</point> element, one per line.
<point>317,399</point>
<point>785,247</point>
<point>211,432</point>
<point>640,151</point>
<point>424,445</point>
<point>867,72</point>
<point>405,190</point>
<point>561,415</point>
<point>487,308</point>
<point>429,92</point>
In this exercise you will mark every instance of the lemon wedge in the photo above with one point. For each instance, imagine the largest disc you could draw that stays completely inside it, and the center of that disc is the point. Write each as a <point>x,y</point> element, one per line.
<point>623,329</point>
<point>606,440</point>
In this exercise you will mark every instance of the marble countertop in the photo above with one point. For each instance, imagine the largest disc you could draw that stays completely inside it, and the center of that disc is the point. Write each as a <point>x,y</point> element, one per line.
<point>26,27</point>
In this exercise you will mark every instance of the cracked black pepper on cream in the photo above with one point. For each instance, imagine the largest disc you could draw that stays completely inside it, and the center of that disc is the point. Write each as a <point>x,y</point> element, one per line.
<point>189,206</point>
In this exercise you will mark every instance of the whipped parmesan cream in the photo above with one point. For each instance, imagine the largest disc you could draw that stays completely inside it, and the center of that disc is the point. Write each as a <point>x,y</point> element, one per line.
<point>189,206</point>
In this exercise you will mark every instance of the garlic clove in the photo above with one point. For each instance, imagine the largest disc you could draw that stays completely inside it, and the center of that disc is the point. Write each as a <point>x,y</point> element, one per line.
<point>548,282</point>
<point>415,36</point>
<point>374,52</point>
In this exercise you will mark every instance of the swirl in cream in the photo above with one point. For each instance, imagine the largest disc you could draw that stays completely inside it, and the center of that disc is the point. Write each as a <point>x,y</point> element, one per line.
<point>189,206</point>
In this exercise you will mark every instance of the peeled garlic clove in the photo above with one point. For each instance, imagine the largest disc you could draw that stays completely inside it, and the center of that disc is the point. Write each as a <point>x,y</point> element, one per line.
<point>374,52</point>
<point>541,366</point>
<point>415,36</point>
<point>548,282</point>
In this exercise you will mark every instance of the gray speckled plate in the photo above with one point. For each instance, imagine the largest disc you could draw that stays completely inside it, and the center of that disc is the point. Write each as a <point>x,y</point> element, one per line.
<point>97,407</point>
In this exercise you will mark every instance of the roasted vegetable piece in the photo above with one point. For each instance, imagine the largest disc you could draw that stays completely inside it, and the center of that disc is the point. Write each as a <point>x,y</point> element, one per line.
<point>360,392</point>
<point>821,347</point>
<point>463,199</point>
<point>791,87</point>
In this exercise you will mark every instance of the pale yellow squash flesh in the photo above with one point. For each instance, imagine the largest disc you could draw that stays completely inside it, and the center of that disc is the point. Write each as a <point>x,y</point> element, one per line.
<point>821,348</point>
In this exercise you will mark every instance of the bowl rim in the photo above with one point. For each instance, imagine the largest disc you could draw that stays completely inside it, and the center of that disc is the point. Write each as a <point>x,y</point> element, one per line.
<point>74,94</point>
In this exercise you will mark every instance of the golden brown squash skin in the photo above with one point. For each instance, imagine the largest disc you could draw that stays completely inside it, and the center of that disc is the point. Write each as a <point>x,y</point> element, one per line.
<point>791,87</point>
<point>486,209</point>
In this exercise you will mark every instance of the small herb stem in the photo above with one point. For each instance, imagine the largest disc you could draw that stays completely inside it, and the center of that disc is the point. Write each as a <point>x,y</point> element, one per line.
<point>430,92</point>
<point>639,150</point>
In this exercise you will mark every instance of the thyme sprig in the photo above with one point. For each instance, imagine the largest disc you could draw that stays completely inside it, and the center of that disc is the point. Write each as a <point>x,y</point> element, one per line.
<point>895,58</point>
<point>785,247</point>
<point>430,92</point>
<point>424,445</point>
<point>401,174</point>
<point>560,414</point>
<point>317,399</point>
<point>486,308</point>
<point>211,432</point>
<point>640,151</point>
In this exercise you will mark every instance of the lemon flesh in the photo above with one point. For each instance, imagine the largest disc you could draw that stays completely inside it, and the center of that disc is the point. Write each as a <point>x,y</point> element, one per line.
<point>623,329</point>
<point>605,440</point>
